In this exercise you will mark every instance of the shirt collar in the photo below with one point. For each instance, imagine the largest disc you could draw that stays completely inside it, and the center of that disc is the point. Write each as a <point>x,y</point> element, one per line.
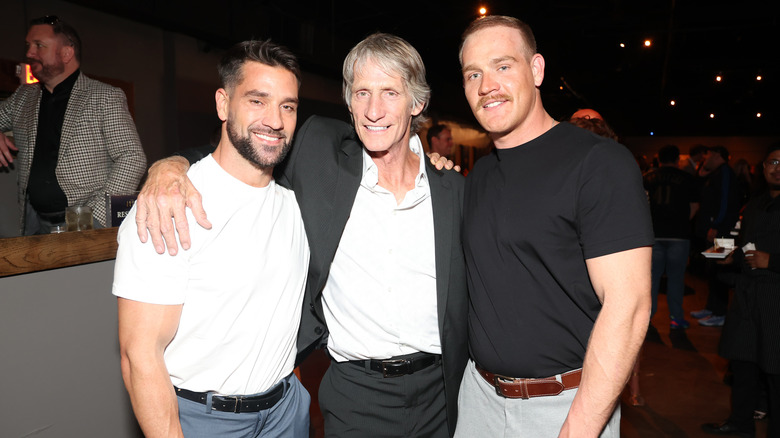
<point>65,86</point>
<point>371,173</point>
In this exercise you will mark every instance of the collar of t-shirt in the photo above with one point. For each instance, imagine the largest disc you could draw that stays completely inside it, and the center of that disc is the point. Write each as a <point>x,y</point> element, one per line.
<point>413,197</point>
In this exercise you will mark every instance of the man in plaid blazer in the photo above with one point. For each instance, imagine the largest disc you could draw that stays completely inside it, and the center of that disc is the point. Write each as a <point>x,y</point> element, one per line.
<point>75,137</point>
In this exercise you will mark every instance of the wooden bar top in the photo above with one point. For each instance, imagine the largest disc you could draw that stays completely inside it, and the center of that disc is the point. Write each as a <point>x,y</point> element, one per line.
<point>21,255</point>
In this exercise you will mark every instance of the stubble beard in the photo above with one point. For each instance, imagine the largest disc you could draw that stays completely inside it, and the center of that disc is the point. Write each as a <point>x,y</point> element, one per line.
<point>255,155</point>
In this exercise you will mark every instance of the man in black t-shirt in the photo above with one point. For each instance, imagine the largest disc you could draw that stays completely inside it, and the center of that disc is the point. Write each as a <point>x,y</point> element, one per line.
<point>557,237</point>
<point>673,202</point>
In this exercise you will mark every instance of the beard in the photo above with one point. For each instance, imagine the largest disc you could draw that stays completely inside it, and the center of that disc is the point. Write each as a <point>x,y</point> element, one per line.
<point>261,156</point>
<point>48,71</point>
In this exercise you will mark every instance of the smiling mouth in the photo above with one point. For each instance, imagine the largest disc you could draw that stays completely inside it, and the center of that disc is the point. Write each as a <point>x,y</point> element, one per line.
<point>268,137</point>
<point>376,128</point>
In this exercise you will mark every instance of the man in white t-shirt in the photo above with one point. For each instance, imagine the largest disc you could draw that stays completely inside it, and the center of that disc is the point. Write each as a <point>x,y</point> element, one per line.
<point>208,338</point>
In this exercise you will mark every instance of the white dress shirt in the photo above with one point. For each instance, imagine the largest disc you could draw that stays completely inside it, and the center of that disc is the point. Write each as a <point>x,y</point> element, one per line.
<point>380,298</point>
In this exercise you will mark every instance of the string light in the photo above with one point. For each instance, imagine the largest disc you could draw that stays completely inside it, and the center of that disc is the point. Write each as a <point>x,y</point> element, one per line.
<point>712,115</point>
<point>758,115</point>
<point>718,78</point>
<point>672,102</point>
<point>648,43</point>
<point>758,78</point>
<point>623,45</point>
<point>483,11</point>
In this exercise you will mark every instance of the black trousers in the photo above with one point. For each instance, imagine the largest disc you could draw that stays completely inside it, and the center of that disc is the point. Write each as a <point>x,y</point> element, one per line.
<point>745,390</point>
<point>358,402</point>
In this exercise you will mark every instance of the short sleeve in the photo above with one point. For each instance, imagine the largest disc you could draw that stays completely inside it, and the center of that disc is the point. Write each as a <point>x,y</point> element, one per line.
<point>612,207</point>
<point>140,274</point>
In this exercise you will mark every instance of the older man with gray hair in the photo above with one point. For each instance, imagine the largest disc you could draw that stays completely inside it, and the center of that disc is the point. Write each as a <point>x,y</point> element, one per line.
<point>387,273</point>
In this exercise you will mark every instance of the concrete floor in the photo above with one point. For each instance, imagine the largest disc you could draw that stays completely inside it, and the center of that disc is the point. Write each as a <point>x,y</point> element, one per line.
<point>680,377</point>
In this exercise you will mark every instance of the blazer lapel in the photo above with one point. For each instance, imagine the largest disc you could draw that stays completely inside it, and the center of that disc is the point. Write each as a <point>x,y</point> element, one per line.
<point>76,104</point>
<point>443,216</point>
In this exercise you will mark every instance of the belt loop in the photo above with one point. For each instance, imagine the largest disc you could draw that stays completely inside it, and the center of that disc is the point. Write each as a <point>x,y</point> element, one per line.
<point>208,401</point>
<point>367,365</point>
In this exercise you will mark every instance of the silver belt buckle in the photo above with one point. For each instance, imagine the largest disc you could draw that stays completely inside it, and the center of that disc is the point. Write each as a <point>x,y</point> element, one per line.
<point>392,362</point>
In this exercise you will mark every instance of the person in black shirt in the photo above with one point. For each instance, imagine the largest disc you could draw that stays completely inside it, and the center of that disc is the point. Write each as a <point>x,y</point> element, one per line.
<point>75,136</point>
<point>557,236</point>
<point>673,202</point>
<point>751,335</point>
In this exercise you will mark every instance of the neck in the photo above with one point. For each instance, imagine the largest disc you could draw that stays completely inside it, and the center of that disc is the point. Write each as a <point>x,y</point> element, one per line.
<point>237,166</point>
<point>53,82</point>
<point>535,124</point>
<point>397,169</point>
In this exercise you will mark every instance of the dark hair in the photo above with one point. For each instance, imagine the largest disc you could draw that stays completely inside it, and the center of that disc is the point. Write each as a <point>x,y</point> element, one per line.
<point>696,150</point>
<point>501,20</point>
<point>669,154</point>
<point>264,52</point>
<point>598,126</point>
<point>66,32</point>
<point>434,131</point>
<point>721,150</point>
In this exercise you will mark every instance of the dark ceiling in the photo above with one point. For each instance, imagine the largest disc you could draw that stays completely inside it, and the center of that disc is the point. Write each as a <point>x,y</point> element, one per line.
<point>632,86</point>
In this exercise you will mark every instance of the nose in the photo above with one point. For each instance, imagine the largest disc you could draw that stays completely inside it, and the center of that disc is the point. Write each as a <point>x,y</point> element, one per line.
<point>30,51</point>
<point>375,108</point>
<point>488,84</point>
<point>273,119</point>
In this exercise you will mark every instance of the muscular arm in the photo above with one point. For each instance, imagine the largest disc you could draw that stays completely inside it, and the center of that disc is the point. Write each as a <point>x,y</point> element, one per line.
<point>166,193</point>
<point>145,330</point>
<point>622,283</point>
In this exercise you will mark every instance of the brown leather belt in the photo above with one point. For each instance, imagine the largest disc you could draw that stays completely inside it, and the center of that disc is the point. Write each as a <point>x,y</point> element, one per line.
<point>511,387</point>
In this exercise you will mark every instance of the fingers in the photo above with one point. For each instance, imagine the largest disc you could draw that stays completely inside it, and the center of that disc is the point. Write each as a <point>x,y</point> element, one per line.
<point>6,146</point>
<point>171,206</point>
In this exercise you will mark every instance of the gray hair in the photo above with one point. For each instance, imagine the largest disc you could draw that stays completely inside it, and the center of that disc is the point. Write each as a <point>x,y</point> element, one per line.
<point>394,56</point>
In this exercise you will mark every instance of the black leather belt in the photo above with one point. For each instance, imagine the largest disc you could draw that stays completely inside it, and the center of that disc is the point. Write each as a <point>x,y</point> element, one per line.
<point>400,367</point>
<point>236,403</point>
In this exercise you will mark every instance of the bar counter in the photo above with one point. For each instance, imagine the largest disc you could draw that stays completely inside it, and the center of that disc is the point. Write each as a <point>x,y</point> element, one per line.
<point>59,351</point>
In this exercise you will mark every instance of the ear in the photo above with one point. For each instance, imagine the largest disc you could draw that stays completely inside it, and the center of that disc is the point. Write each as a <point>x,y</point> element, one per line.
<point>417,109</point>
<point>537,67</point>
<point>67,53</point>
<point>222,100</point>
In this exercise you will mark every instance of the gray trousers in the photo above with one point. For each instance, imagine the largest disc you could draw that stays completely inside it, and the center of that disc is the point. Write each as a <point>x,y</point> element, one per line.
<point>483,413</point>
<point>289,418</point>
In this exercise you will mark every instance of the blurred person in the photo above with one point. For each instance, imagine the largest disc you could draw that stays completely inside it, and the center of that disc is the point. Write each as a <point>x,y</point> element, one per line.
<point>440,140</point>
<point>673,199</point>
<point>75,137</point>
<point>695,159</point>
<point>586,113</point>
<point>719,205</point>
<point>751,334</point>
<point>597,125</point>
<point>557,236</point>
<point>208,338</point>
<point>744,180</point>
<point>386,287</point>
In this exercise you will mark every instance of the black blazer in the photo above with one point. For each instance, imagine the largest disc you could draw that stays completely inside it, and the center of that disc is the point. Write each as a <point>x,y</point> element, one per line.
<point>324,169</point>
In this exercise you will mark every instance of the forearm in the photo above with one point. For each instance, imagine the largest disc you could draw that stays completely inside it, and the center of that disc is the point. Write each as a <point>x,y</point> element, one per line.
<point>152,395</point>
<point>622,283</point>
<point>612,350</point>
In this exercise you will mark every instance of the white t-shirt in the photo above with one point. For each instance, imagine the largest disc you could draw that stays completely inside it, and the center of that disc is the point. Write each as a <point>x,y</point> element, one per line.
<point>241,284</point>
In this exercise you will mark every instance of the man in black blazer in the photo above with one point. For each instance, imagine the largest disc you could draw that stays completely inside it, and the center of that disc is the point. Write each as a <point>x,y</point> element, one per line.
<point>387,276</point>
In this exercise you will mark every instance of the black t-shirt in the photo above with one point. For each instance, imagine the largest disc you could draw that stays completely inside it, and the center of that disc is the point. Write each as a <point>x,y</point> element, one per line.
<point>671,192</point>
<point>532,215</point>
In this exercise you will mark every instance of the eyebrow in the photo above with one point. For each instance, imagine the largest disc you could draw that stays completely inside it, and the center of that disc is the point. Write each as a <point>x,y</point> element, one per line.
<point>493,61</point>
<point>265,94</point>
